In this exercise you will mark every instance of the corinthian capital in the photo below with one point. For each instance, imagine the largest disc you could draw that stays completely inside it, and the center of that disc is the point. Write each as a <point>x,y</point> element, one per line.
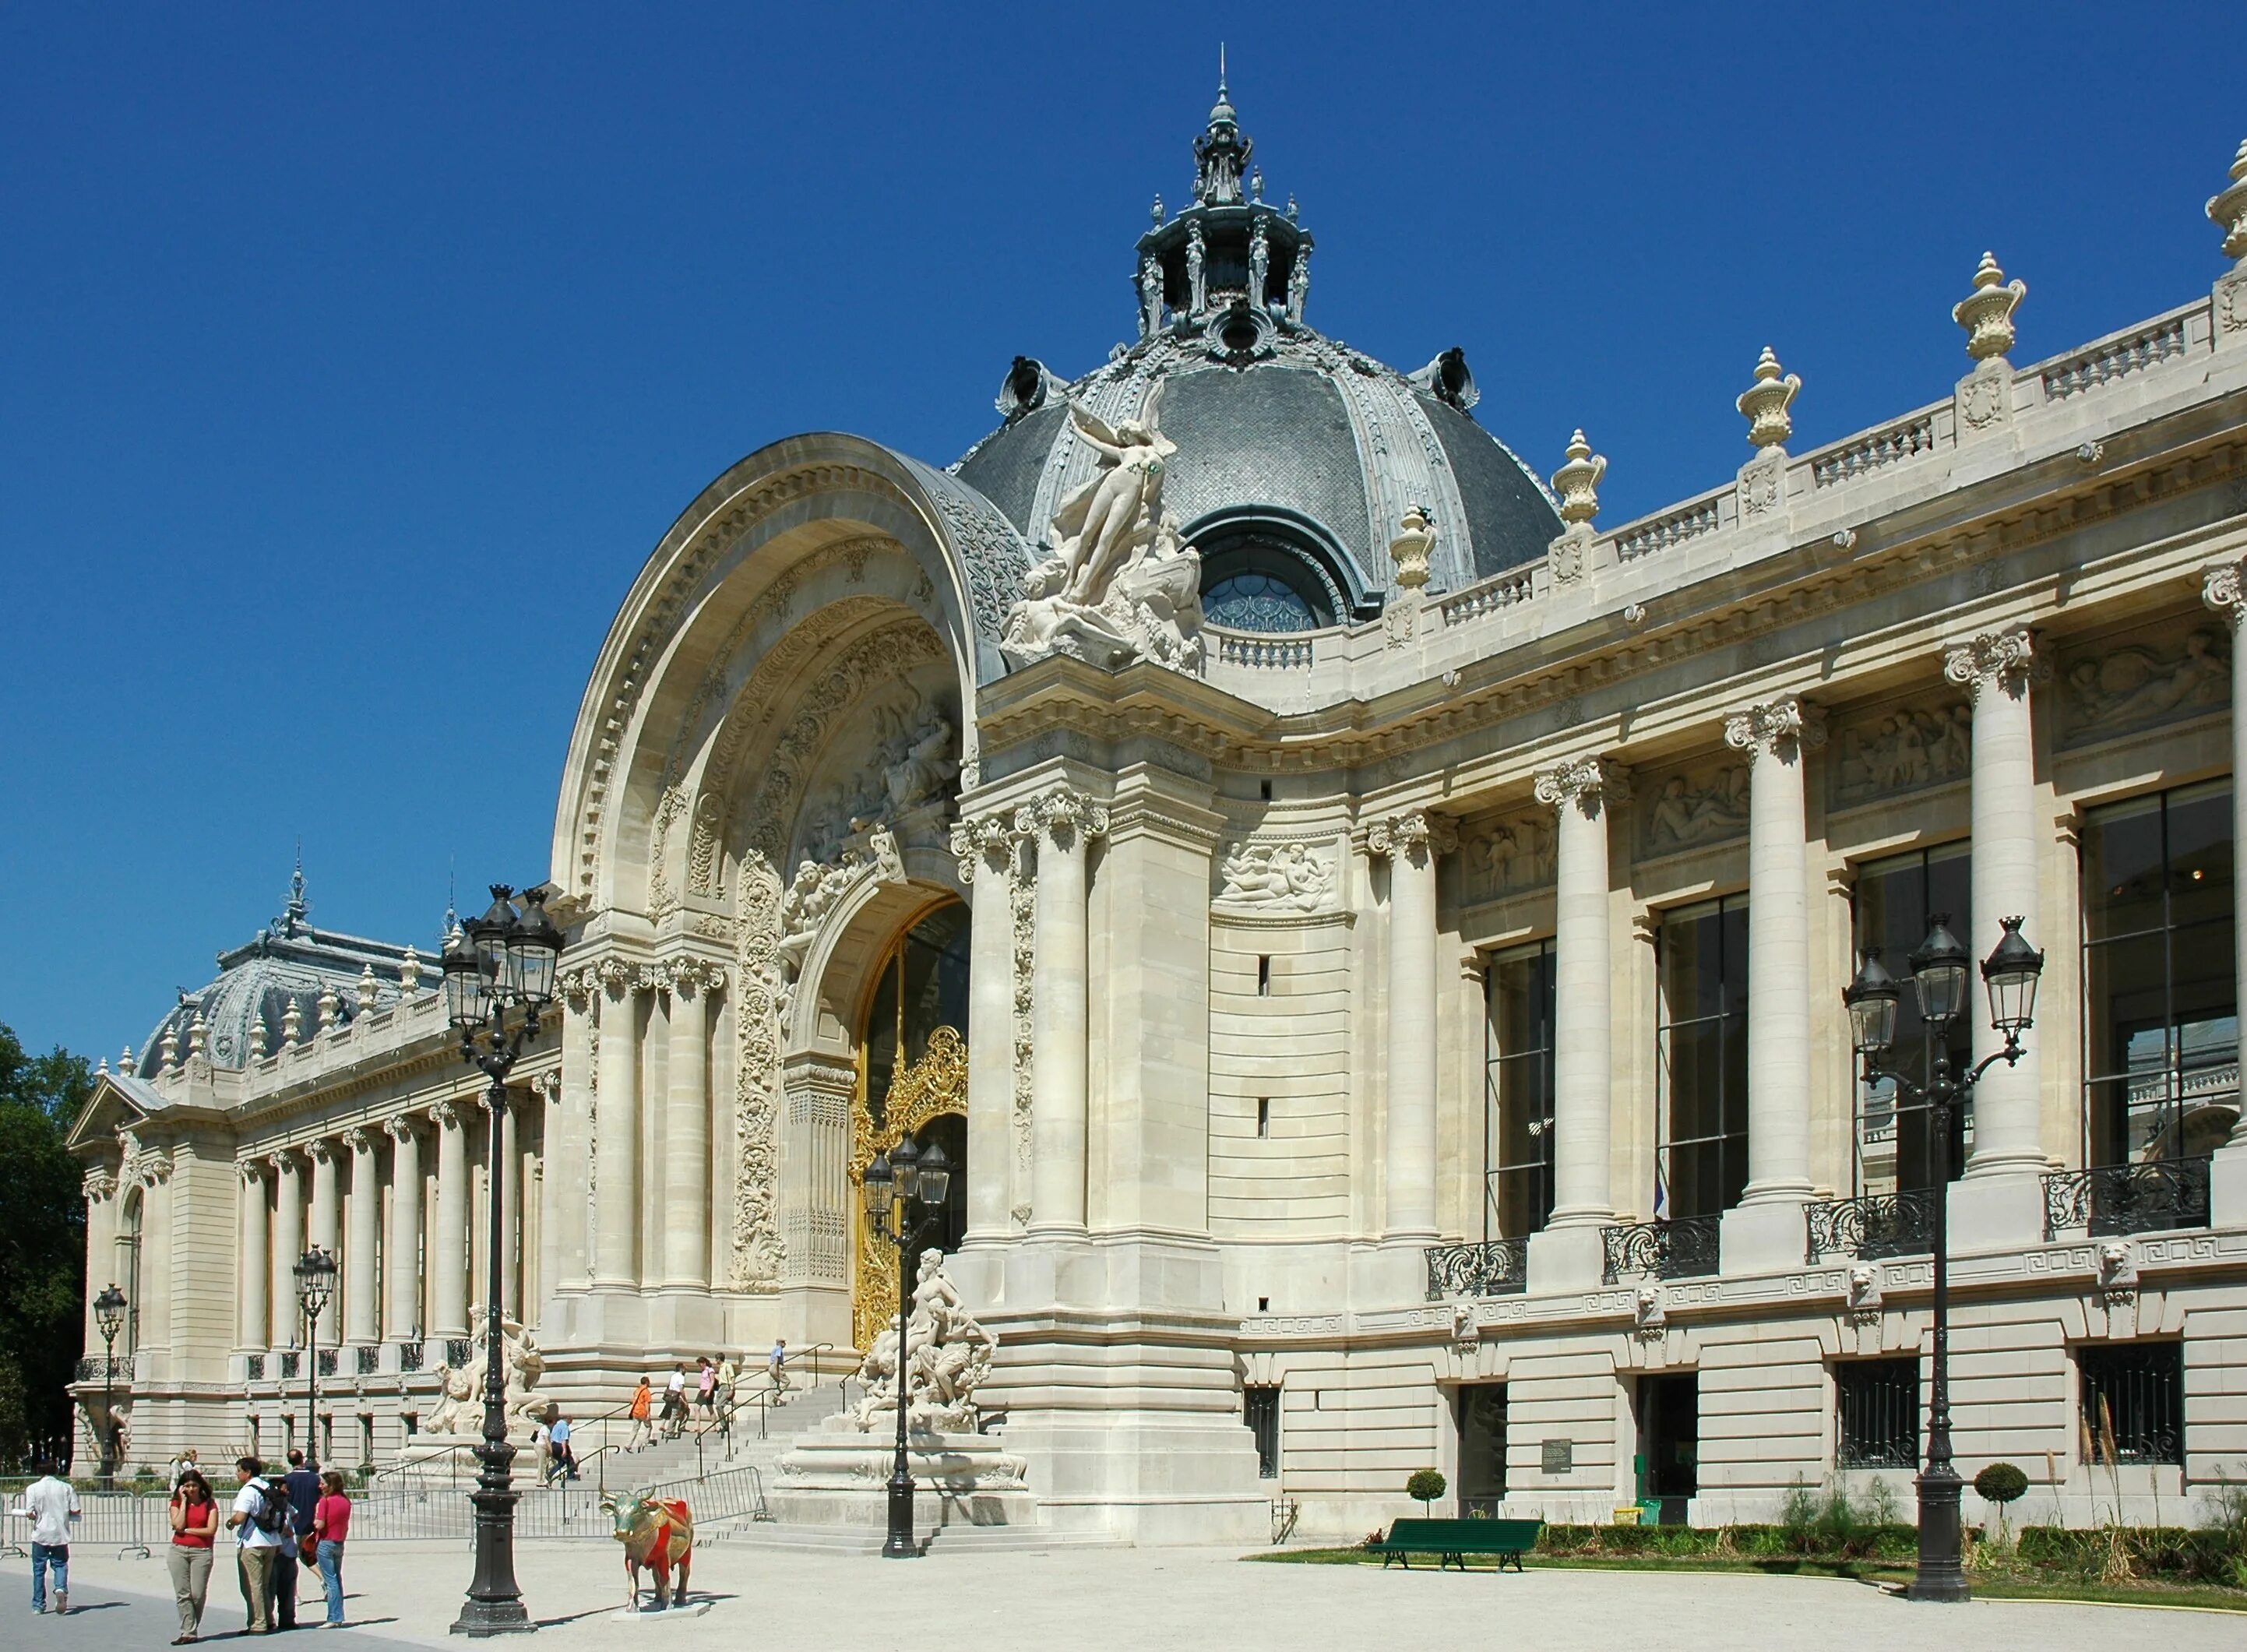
<point>1413,831</point>
<point>320,1150</point>
<point>445,1115</point>
<point>99,1184</point>
<point>1060,813</point>
<point>1582,780</point>
<point>251,1170</point>
<point>401,1128</point>
<point>1780,727</point>
<point>284,1162</point>
<point>359,1139</point>
<point>2225,589</point>
<point>988,839</point>
<point>2008,657</point>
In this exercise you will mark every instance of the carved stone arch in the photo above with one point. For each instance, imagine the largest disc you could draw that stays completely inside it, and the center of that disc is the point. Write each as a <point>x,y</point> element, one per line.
<point>736,543</point>
<point>838,979</point>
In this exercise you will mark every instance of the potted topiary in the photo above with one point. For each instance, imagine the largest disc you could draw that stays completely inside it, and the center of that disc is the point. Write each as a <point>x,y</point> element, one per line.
<point>2000,1484</point>
<point>1426,1485</point>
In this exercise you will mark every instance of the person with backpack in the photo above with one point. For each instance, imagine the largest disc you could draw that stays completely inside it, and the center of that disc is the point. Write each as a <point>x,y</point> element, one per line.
<point>301,1488</point>
<point>260,1523</point>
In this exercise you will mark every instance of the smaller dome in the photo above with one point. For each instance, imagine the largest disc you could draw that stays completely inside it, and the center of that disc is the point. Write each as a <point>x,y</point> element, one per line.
<point>287,962</point>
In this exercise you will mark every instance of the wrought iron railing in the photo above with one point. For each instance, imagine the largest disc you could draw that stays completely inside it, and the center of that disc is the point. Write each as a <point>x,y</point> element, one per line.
<point>1683,1249</point>
<point>456,1351</point>
<point>326,1358</point>
<point>292,1362</point>
<point>1873,1225</point>
<point>110,1370</point>
<point>2126,1198</point>
<point>366,1359</point>
<point>253,1368</point>
<point>1493,1267</point>
<point>409,1355</point>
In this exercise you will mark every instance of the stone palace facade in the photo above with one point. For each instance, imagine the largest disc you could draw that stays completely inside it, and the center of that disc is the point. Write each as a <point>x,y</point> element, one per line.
<point>1374,935</point>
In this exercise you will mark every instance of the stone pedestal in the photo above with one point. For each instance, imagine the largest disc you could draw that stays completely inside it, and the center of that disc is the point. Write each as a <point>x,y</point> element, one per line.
<point>840,1476</point>
<point>2227,1187</point>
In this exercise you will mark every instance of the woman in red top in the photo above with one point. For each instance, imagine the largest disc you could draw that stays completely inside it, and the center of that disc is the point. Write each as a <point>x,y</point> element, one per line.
<point>331,1525</point>
<point>195,1524</point>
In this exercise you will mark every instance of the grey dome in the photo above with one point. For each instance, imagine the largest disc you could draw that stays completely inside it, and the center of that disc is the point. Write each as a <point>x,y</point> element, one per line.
<point>287,961</point>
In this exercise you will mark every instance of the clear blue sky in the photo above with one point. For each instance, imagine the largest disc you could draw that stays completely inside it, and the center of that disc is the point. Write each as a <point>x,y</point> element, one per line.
<point>351,361</point>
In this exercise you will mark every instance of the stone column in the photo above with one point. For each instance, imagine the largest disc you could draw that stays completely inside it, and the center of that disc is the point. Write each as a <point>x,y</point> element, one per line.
<point>1995,668</point>
<point>1411,843</point>
<point>569,1169</point>
<point>1567,1254</point>
<point>1766,1231</point>
<point>404,1252</point>
<point>686,1127</point>
<point>158,1209</point>
<point>254,1258</point>
<point>2226,591</point>
<point>448,1247</point>
<point>362,1312</point>
<point>503,1171</point>
<point>985,848</point>
<point>1065,821</point>
<point>325,1222</point>
<point>288,1246</point>
<point>99,1185</point>
<point>616,1145</point>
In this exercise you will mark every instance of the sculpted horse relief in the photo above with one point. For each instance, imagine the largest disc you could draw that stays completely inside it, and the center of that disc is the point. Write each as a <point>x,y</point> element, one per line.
<point>657,1534</point>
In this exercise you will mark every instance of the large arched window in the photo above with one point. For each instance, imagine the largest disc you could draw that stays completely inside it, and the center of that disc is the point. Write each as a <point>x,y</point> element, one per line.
<point>1263,571</point>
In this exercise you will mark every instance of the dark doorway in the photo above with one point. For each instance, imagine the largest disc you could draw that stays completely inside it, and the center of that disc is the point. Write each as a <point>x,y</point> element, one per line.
<point>945,1231</point>
<point>1669,1442</point>
<point>1482,1447</point>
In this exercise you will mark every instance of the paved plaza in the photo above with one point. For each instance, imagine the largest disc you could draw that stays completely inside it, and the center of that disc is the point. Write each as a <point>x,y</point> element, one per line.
<point>1170,1599</point>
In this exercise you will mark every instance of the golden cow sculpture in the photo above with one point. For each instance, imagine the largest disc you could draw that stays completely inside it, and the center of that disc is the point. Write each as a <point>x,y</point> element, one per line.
<point>658,1533</point>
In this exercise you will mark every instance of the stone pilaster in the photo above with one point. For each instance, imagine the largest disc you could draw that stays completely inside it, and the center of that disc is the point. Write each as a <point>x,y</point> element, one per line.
<point>1567,1254</point>
<point>288,1246</point>
<point>1766,1230</point>
<point>253,1261</point>
<point>1064,821</point>
<point>616,1262</point>
<point>985,850</point>
<point>100,1187</point>
<point>563,1226</point>
<point>1412,841</point>
<point>325,1223</point>
<point>687,1126</point>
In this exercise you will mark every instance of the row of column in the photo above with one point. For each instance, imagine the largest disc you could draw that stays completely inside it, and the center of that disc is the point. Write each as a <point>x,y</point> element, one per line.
<point>1775,735</point>
<point>422,1251</point>
<point>628,1012</point>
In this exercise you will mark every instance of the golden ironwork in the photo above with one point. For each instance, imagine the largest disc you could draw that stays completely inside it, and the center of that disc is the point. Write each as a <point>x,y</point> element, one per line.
<point>929,1088</point>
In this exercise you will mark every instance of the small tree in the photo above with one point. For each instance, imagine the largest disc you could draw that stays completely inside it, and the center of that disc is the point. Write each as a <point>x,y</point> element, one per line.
<point>2000,1484</point>
<point>1426,1485</point>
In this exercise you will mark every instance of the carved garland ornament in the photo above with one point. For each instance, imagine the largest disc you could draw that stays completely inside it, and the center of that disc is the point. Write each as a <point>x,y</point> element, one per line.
<point>759,1250</point>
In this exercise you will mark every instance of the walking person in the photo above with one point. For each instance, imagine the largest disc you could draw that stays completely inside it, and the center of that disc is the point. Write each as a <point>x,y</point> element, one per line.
<point>778,1366</point>
<point>259,1521</point>
<point>194,1529</point>
<point>301,1489</point>
<point>542,1451</point>
<point>183,1465</point>
<point>557,1445</point>
<point>705,1387</point>
<point>330,1525</point>
<point>50,1506</point>
<point>643,1406</point>
<point>674,1402</point>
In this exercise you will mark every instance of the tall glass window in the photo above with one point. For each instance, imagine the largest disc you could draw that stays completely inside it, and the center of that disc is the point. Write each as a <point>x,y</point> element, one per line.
<point>1517,1142</point>
<point>1701,1157</point>
<point>1894,901</point>
<point>2161,1005</point>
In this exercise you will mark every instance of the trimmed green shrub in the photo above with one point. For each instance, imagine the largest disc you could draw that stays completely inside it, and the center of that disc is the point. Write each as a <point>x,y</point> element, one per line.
<point>1426,1485</point>
<point>2001,1483</point>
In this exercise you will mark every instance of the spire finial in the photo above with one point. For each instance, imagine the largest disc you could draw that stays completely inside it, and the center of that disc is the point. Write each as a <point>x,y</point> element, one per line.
<point>1221,71</point>
<point>1221,153</point>
<point>298,905</point>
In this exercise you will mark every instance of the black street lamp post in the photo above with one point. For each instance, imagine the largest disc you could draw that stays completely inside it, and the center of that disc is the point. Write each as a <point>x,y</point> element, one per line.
<point>1940,969</point>
<point>316,1283</point>
<point>109,1316</point>
<point>896,1183</point>
<point>504,961</point>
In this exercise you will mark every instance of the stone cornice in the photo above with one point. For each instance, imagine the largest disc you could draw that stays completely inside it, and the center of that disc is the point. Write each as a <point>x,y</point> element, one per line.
<point>1725,610</point>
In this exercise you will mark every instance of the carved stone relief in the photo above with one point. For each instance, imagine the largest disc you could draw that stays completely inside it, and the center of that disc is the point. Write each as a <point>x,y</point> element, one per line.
<point>758,1249</point>
<point>1700,806</point>
<point>1508,857</point>
<point>2129,686</point>
<point>1902,749</point>
<point>1276,878</point>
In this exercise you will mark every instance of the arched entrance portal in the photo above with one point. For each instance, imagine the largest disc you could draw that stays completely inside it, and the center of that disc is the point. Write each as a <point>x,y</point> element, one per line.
<point>912,1081</point>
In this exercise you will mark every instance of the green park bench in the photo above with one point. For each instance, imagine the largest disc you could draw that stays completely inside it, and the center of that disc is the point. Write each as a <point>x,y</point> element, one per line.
<point>1451,1541</point>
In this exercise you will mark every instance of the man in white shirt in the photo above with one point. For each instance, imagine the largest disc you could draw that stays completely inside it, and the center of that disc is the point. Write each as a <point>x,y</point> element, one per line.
<point>50,1506</point>
<point>258,1518</point>
<point>674,1401</point>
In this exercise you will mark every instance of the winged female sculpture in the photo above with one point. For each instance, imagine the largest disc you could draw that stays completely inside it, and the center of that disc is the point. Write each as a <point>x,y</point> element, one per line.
<point>1117,585</point>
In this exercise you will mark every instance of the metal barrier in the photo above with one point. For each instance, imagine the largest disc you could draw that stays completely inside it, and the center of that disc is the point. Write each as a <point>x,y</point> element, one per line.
<point>126,1521</point>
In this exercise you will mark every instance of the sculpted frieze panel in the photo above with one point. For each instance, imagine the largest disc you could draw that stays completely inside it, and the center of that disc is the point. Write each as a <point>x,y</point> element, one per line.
<point>2155,676</point>
<point>1507,856</point>
<point>1901,748</point>
<point>1707,804</point>
<point>1275,879</point>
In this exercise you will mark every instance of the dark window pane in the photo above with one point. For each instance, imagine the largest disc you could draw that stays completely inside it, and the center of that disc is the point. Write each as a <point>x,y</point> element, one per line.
<point>2123,869</point>
<point>2200,854</point>
<point>2134,1401</point>
<point>1518,1140</point>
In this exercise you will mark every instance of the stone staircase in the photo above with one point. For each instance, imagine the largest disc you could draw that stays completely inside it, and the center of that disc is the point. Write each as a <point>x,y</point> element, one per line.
<point>693,1454</point>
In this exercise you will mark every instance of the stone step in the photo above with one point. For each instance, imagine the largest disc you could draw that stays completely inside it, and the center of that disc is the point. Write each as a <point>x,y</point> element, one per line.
<point>867,1539</point>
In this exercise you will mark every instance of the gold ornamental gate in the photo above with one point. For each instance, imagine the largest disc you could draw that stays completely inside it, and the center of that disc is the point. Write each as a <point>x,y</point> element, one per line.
<point>930,1088</point>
